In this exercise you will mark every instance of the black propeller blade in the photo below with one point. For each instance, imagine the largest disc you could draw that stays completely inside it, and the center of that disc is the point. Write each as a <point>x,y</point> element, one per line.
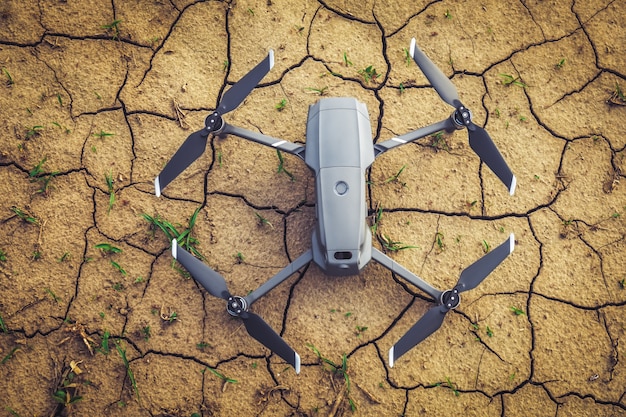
<point>427,325</point>
<point>238,92</point>
<point>263,333</point>
<point>195,144</point>
<point>483,146</point>
<point>480,141</point>
<point>190,150</point>
<point>474,274</point>
<point>442,84</point>
<point>470,278</point>
<point>215,284</point>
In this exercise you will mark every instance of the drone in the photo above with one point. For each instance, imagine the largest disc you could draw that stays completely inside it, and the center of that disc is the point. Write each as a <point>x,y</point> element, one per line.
<point>338,150</point>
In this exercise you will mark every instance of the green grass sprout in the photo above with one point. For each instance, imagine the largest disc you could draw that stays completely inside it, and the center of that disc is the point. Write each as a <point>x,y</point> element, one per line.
<point>280,106</point>
<point>221,376</point>
<point>281,166</point>
<point>51,294</point>
<point>407,56</point>
<point>102,134</point>
<point>9,76</point>
<point>508,79</point>
<point>24,215</point>
<point>12,411</point>
<point>9,355</point>
<point>263,221</point>
<point>108,248</point>
<point>33,131</point>
<point>369,74</point>
<point>392,245</point>
<point>338,370</point>
<point>109,181</point>
<point>115,27</point>
<point>378,216</point>
<point>394,178</point>
<point>3,326</point>
<point>104,345</point>
<point>452,386</point>
<point>119,268</point>
<point>346,61</point>
<point>184,237</point>
<point>122,352</point>
<point>517,311</point>
<point>319,91</point>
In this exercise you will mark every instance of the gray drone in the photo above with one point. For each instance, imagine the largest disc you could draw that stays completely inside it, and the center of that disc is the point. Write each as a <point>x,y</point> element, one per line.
<point>339,149</point>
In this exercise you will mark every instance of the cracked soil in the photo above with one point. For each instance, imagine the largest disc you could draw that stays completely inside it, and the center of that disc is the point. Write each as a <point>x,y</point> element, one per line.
<point>96,96</point>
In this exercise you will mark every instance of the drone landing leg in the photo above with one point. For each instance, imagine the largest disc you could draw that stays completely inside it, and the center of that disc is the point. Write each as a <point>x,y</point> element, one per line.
<point>395,267</point>
<point>285,273</point>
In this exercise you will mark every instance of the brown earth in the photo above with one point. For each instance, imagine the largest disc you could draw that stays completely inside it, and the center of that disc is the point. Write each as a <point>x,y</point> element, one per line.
<point>83,102</point>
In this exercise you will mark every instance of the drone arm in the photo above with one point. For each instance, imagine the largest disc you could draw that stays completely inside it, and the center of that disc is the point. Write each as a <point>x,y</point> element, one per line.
<point>280,144</point>
<point>448,125</point>
<point>395,267</point>
<point>285,273</point>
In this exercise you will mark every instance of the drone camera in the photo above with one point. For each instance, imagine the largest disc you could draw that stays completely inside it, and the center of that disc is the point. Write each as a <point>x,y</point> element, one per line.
<point>343,255</point>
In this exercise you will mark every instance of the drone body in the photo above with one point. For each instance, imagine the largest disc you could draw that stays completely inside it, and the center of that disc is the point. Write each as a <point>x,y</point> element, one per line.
<point>339,149</point>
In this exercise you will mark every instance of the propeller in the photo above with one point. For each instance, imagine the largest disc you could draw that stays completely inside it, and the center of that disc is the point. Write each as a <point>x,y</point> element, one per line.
<point>479,140</point>
<point>470,278</point>
<point>236,306</point>
<point>195,144</point>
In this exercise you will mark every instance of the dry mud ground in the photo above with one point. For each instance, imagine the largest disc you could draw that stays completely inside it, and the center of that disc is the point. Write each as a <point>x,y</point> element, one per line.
<point>97,89</point>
